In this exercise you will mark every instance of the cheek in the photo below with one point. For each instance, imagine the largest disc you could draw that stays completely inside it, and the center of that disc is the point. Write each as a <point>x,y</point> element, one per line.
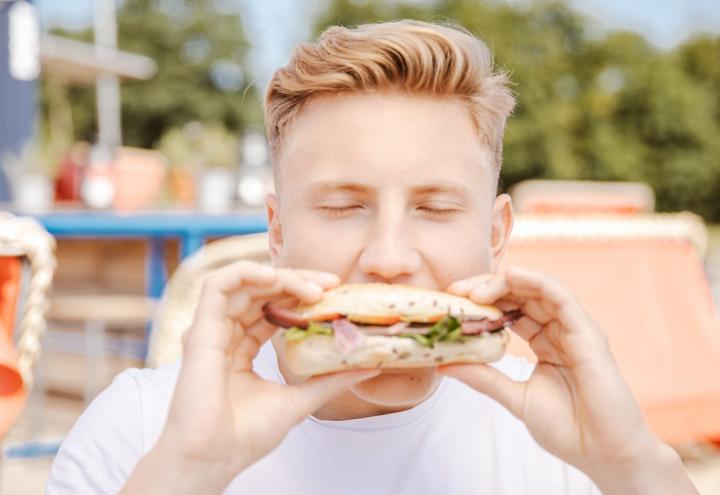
<point>461,251</point>
<point>310,242</point>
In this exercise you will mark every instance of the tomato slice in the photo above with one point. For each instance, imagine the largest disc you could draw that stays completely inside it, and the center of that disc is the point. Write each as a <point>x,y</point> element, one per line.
<point>374,319</point>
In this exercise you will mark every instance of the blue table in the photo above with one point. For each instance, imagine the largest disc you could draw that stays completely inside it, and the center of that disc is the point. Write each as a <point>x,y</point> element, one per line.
<point>191,228</point>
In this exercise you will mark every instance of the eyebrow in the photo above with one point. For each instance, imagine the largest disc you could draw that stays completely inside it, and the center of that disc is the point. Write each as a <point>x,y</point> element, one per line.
<point>424,189</point>
<point>323,186</point>
<point>443,187</point>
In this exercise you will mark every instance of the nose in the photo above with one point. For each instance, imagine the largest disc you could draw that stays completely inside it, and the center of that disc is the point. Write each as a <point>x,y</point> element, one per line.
<point>389,255</point>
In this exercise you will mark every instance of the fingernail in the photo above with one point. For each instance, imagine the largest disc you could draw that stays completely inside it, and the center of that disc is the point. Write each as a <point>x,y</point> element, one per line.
<point>330,278</point>
<point>479,291</point>
<point>265,270</point>
<point>458,286</point>
<point>481,286</point>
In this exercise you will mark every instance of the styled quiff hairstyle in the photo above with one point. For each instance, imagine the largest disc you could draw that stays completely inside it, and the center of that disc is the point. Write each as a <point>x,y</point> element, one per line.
<point>408,57</point>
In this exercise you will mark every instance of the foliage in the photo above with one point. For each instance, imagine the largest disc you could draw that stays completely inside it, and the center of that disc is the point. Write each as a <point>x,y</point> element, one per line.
<point>197,145</point>
<point>200,53</point>
<point>606,107</point>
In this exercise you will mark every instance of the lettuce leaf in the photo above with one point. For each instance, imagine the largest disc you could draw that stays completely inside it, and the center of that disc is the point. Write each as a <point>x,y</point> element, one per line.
<point>446,330</point>
<point>454,335</point>
<point>297,333</point>
<point>420,339</point>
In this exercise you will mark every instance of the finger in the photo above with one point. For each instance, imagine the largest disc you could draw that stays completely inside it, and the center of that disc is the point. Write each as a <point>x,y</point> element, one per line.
<point>486,289</point>
<point>256,281</point>
<point>248,347</point>
<point>325,279</point>
<point>311,394</point>
<point>210,316</point>
<point>555,299</point>
<point>506,305</point>
<point>464,286</point>
<point>491,382</point>
<point>546,347</point>
<point>497,289</point>
<point>246,304</point>
<point>537,310</point>
<point>213,333</point>
<point>493,289</point>
<point>246,309</point>
<point>241,302</point>
<point>241,273</point>
<point>526,328</point>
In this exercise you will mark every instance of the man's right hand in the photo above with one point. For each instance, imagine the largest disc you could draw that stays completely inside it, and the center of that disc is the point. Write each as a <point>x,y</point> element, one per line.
<point>223,417</point>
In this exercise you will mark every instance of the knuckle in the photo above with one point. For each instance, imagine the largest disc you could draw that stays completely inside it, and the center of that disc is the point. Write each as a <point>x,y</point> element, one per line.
<point>185,340</point>
<point>546,277</point>
<point>211,283</point>
<point>244,265</point>
<point>292,279</point>
<point>289,273</point>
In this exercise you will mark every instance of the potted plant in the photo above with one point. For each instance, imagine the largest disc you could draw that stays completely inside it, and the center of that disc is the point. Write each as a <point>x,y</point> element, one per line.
<point>203,159</point>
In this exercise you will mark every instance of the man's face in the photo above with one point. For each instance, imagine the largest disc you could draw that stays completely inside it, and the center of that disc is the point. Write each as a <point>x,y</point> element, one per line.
<point>381,187</point>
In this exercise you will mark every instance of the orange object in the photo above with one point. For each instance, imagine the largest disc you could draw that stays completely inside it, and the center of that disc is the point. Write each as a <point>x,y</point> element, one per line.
<point>139,176</point>
<point>566,197</point>
<point>13,392</point>
<point>652,298</point>
<point>581,204</point>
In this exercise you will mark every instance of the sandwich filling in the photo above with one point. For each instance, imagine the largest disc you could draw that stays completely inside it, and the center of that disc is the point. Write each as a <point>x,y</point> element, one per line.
<point>349,313</point>
<point>348,335</point>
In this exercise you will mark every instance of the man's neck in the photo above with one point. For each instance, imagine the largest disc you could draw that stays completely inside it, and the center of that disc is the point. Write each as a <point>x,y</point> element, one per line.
<point>350,406</point>
<point>346,406</point>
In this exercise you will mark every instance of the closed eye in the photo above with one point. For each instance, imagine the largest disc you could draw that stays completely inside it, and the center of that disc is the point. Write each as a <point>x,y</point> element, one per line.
<point>336,211</point>
<point>438,212</point>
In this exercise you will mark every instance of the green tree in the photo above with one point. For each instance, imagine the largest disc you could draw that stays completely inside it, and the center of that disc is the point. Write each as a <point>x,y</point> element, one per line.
<point>200,54</point>
<point>589,107</point>
<point>201,75</point>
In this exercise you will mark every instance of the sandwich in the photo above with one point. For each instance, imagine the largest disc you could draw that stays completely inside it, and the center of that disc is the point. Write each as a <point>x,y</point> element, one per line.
<point>389,326</point>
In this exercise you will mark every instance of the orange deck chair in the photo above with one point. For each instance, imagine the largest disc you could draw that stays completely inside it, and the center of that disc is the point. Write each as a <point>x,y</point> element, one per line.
<point>641,277</point>
<point>12,388</point>
<point>27,265</point>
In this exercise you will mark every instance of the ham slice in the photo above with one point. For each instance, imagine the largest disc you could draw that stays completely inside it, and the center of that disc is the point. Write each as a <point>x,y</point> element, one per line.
<point>347,335</point>
<point>394,329</point>
<point>476,327</point>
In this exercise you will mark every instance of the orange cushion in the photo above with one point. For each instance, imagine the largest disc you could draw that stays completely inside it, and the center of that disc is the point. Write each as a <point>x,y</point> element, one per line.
<point>654,301</point>
<point>582,203</point>
<point>10,271</point>
<point>13,392</point>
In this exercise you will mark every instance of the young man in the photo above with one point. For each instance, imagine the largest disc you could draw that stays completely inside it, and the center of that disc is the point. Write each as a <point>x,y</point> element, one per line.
<point>387,143</point>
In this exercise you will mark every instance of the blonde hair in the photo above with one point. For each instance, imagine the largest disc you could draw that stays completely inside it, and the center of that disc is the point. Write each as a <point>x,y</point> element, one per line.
<point>408,56</point>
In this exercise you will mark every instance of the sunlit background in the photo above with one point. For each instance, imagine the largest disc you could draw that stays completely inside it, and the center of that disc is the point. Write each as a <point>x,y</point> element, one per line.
<point>132,131</point>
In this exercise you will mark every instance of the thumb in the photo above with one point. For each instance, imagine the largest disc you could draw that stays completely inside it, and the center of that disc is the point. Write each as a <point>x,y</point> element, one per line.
<point>491,382</point>
<point>316,391</point>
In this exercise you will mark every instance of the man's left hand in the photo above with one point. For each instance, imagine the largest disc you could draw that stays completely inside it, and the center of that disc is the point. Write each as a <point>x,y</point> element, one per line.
<point>576,404</point>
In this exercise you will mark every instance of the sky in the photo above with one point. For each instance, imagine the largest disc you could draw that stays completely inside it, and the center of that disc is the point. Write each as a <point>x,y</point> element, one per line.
<point>275,26</point>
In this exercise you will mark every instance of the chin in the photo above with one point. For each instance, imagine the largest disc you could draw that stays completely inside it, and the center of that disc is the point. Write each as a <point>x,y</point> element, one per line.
<point>398,388</point>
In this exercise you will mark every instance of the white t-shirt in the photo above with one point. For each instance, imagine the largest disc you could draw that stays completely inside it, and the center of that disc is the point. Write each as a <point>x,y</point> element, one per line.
<point>456,442</point>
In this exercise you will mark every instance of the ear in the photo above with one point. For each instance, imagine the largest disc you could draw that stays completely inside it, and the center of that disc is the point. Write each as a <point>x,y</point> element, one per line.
<point>275,237</point>
<point>502,223</point>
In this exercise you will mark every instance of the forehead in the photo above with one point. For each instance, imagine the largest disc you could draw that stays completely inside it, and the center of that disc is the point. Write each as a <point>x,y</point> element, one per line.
<point>384,138</point>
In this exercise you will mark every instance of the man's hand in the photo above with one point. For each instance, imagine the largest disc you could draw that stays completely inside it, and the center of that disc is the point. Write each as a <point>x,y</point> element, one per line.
<point>576,404</point>
<point>223,417</point>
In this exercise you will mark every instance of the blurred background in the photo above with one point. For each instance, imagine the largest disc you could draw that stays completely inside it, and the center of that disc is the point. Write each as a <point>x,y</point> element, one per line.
<point>132,132</point>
